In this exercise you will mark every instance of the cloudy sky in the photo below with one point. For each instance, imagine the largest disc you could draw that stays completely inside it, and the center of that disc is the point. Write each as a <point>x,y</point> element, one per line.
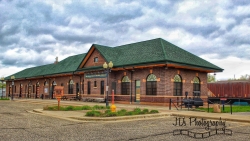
<point>34,32</point>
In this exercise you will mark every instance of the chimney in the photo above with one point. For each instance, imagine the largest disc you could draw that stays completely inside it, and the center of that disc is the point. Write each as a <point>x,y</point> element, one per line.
<point>56,60</point>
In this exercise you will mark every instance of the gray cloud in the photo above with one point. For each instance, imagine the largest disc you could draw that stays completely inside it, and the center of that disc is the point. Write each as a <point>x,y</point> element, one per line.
<point>41,27</point>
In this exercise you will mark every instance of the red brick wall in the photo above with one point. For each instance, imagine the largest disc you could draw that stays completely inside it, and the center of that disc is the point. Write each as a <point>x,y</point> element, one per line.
<point>164,84</point>
<point>90,62</point>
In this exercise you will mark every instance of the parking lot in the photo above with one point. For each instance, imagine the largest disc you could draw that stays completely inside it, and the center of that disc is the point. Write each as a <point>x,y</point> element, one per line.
<point>18,124</point>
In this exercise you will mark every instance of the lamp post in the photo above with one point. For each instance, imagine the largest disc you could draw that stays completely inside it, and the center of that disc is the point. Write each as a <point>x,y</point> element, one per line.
<point>107,68</point>
<point>2,80</point>
<point>12,78</point>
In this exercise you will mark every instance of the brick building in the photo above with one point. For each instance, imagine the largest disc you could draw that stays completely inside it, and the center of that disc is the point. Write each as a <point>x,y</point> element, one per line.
<point>147,71</point>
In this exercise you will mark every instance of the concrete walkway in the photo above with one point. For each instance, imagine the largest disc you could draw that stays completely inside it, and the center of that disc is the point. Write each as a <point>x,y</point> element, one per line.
<point>164,112</point>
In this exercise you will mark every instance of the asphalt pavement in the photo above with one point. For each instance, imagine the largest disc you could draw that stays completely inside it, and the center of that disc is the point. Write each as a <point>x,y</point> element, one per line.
<point>163,112</point>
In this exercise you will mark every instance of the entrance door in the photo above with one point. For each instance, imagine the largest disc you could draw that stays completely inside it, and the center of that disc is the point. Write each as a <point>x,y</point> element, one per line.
<point>77,90</point>
<point>102,87</point>
<point>89,87</point>
<point>137,90</point>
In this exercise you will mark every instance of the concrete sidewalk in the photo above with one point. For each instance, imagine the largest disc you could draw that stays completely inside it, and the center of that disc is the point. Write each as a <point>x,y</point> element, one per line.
<point>164,112</point>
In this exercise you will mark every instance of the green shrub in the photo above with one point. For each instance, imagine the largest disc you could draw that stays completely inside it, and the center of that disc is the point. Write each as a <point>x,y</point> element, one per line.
<point>97,107</point>
<point>129,113</point>
<point>86,107</point>
<point>137,111</point>
<point>122,112</point>
<point>93,113</point>
<point>107,111</point>
<point>145,111</point>
<point>69,108</point>
<point>154,111</point>
<point>111,114</point>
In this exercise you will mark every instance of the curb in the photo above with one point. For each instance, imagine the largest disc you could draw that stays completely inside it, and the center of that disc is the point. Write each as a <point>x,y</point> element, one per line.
<point>121,118</point>
<point>136,117</point>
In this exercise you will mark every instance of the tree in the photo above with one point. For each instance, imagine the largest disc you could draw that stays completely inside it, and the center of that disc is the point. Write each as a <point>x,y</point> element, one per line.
<point>242,77</point>
<point>211,78</point>
<point>2,85</point>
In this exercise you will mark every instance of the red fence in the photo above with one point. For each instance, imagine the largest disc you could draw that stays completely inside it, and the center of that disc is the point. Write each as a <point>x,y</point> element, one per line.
<point>239,89</point>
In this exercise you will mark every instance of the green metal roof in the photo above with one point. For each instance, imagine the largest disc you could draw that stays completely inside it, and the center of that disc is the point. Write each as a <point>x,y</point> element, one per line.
<point>67,65</point>
<point>145,52</point>
<point>156,50</point>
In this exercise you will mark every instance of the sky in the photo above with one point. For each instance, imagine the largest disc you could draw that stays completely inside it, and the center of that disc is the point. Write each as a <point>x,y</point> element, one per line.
<point>33,33</point>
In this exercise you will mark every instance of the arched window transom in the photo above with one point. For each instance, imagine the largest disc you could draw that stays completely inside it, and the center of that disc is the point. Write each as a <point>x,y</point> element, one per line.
<point>125,85</point>
<point>151,86</point>
<point>196,86</point>
<point>151,77</point>
<point>177,85</point>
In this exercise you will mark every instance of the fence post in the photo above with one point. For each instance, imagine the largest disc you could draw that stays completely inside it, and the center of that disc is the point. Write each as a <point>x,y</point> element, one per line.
<point>170,104</point>
<point>208,106</point>
<point>231,108</point>
<point>181,103</point>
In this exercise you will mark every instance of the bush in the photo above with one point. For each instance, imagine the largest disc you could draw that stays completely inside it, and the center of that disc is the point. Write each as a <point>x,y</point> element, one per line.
<point>145,111</point>
<point>137,111</point>
<point>86,107</point>
<point>97,107</point>
<point>69,108</point>
<point>130,113</point>
<point>107,111</point>
<point>122,112</point>
<point>93,113</point>
<point>154,111</point>
<point>110,114</point>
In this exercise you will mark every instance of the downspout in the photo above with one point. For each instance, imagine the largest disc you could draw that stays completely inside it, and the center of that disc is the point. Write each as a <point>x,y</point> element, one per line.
<point>131,72</point>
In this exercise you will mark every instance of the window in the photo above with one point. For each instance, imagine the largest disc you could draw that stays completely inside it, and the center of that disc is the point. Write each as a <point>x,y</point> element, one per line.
<point>196,86</point>
<point>77,89</point>
<point>33,89</point>
<point>177,85</point>
<point>89,84</point>
<point>95,85</point>
<point>71,84</point>
<point>102,87</point>
<point>151,85</point>
<point>96,59</point>
<point>125,85</point>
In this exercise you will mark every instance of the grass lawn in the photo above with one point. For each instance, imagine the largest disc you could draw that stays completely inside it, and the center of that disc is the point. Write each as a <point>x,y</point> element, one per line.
<point>4,99</point>
<point>227,109</point>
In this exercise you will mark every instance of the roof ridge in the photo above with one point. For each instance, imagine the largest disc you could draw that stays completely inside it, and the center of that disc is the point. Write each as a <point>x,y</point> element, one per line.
<point>137,42</point>
<point>164,51</point>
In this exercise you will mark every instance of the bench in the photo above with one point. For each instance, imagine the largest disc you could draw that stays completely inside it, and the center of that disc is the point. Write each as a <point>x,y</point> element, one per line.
<point>74,98</point>
<point>93,99</point>
<point>64,98</point>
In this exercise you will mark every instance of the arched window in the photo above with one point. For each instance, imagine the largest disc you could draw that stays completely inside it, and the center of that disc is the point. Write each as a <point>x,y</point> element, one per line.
<point>177,85</point>
<point>196,86</point>
<point>125,86</point>
<point>151,86</point>
<point>71,84</point>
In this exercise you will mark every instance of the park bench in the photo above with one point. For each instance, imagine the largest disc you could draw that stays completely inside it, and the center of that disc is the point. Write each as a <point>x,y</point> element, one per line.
<point>93,99</point>
<point>74,98</point>
<point>64,98</point>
